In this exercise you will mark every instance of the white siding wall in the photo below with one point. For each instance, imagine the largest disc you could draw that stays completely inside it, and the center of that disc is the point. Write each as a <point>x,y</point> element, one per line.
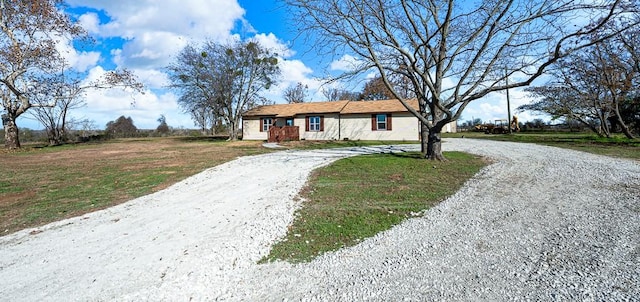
<point>450,128</point>
<point>331,128</point>
<point>353,126</point>
<point>251,130</point>
<point>404,126</point>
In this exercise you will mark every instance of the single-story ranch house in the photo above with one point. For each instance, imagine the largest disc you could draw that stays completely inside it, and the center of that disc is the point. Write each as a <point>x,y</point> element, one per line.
<point>340,120</point>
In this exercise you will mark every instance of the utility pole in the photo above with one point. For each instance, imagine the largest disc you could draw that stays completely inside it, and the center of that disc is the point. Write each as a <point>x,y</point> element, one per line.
<point>508,102</point>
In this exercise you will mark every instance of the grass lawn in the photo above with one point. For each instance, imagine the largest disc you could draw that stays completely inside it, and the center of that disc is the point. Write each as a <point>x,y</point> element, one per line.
<point>357,197</point>
<point>617,146</point>
<point>42,185</point>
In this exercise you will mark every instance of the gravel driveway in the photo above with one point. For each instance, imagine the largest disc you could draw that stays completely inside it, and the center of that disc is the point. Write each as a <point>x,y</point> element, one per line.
<point>541,223</point>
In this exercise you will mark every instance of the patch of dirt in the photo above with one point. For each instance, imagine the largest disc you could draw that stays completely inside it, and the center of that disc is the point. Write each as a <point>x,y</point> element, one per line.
<point>396,177</point>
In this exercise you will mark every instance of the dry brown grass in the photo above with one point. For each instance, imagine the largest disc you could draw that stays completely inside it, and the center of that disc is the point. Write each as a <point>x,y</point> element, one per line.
<point>41,185</point>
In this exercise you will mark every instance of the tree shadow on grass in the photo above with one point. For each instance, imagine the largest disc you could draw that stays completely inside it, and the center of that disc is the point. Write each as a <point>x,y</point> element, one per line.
<point>410,154</point>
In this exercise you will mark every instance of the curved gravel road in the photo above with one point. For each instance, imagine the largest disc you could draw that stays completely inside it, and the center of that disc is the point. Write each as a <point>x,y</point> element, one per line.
<point>541,223</point>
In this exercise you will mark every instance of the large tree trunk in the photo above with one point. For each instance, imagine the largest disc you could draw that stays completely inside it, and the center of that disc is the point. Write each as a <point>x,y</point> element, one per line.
<point>434,141</point>
<point>11,133</point>
<point>434,145</point>
<point>51,134</point>
<point>56,137</point>
<point>233,131</point>
<point>431,143</point>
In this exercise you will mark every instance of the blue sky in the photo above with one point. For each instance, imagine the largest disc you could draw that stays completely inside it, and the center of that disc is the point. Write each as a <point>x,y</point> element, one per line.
<point>145,35</point>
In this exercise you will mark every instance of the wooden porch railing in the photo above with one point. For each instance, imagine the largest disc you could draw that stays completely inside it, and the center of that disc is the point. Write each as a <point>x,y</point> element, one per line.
<point>286,133</point>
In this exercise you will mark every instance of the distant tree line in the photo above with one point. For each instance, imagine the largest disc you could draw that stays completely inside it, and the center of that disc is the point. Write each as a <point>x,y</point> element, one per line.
<point>537,124</point>
<point>124,127</point>
<point>86,130</point>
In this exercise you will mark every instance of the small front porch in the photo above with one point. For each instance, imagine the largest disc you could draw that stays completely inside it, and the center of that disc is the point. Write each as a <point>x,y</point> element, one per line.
<point>284,133</point>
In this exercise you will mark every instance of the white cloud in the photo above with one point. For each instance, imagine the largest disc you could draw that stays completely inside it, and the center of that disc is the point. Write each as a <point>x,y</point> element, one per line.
<point>294,71</point>
<point>346,63</point>
<point>109,104</point>
<point>153,32</point>
<point>95,74</point>
<point>104,105</point>
<point>371,75</point>
<point>184,17</point>
<point>494,110</point>
<point>156,30</point>
<point>151,50</point>
<point>494,106</point>
<point>270,41</point>
<point>79,60</point>
<point>90,22</point>
<point>152,79</point>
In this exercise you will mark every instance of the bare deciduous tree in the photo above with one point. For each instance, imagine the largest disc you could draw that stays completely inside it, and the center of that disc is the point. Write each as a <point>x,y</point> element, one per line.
<point>467,44</point>
<point>59,95</point>
<point>562,102</point>
<point>375,89</point>
<point>85,127</point>
<point>223,79</point>
<point>296,94</point>
<point>203,117</point>
<point>592,85</point>
<point>619,62</point>
<point>191,79</point>
<point>337,94</point>
<point>28,34</point>
<point>33,72</point>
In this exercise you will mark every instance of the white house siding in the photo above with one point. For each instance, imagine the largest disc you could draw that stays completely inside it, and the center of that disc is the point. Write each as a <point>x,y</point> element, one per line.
<point>251,130</point>
<point>331,127</point>
<point>450,128</point>
<point>351,126</point>
<point>404,127</point>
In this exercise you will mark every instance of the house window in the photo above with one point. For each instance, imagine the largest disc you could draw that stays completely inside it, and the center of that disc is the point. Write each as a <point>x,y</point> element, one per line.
<point>266,123</point>
<point>381,122</point>
<point>289,122</point>
<point>315,123</point>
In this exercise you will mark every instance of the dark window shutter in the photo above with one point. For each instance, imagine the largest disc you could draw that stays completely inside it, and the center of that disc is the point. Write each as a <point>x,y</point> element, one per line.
<point>306,122</point>
<point>322,123</point>
<point>262,125</point>
<point>374,123</point>
<point>389,122</point>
